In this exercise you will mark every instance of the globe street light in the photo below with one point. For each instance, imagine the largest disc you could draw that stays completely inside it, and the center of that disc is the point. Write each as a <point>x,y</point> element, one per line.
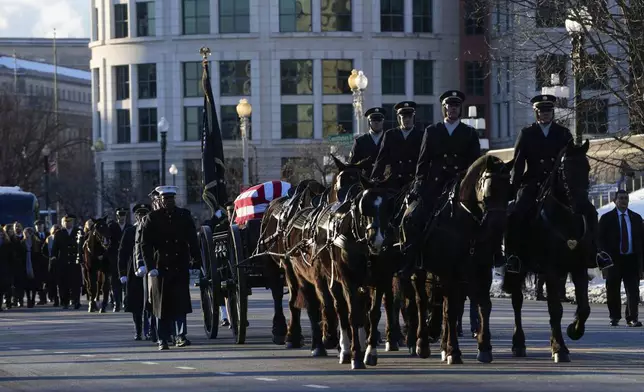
<point>358,82</point>
<point>173,170</point>
<point>244,110</point>
<point>164,126</point>
<point>46,151</point>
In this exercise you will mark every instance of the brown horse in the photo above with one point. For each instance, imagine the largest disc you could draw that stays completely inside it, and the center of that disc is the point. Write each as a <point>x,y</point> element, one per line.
<point>95,259</point>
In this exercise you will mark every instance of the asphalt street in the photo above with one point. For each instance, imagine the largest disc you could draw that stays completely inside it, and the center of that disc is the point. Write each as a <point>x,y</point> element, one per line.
<point>47,349</point>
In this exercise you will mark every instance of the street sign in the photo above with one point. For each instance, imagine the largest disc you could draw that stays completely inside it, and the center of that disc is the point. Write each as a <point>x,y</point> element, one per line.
<point>345,138</point>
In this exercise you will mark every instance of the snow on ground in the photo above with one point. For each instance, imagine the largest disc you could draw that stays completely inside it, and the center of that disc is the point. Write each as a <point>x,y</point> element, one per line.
<point>596,289</point>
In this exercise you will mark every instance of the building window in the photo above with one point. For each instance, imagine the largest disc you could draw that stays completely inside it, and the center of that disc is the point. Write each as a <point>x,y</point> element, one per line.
<point>475,13</point>
<point>295,16</point>
<point>547,65</point>
<point>551,13</point>
<point>297,121</point>
<point>193,180</point>
<point>393,77</point>
<point>335,76</point>
<point>297,77</point>
<point>336,119</point>
<point>422,16</point>
<point>122,74</point>
<point>230,123</point>
<point>423,77</point>
<point>424,116</point>
<point>593,116</point>
<point>147,81</point>
<point>474,78</point>
<point>234,78</point>
<point>97,83</point>
<point>192,123</point>
<point>392,15</point>
<point>95,24</point>
<point>336,15</point>
<point>234,16</point>
<point>122,126</point>
<point>120,21</point>
<point>147,125</point>
<point>192,79</point>
<point>481,112</point>
<point>145,24</point>
<point>196,16</point>
<point>123,177</point>
<point>150,176</point>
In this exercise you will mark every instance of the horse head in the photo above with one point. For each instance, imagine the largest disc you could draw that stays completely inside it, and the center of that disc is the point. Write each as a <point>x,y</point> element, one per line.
<point>570,183</point>
<point>373,212</point>
<point>349,174</point>
<point>101,231</point>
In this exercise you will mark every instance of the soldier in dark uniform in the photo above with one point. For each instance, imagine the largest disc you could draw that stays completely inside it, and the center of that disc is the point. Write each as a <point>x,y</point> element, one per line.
<point>169,242</point>
<point>132,276</point>
<point>116,232</point>
<point>399,148</point>
<point>67,268</point>
<point>367,146</point>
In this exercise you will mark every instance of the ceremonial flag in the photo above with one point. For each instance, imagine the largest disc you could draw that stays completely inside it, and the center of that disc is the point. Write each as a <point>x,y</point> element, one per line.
<point>252,203</point>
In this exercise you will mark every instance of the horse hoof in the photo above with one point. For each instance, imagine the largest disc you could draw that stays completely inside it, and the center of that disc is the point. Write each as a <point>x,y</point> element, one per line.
<point>519,352</point>
<point>293,345</point>
<point>279,340</point>
<point>454,360</point>
<point>357,364</point>
<point>423,352</point>
<point>345,358</point>
<point>561,357</point>
<point>319,352</point>
<point>330,343</point>
<point>371,360</point>
<point>391,346</point>
<point>443,356</point>
<point>412,351</point>
<point>575,333</point>
<point>484,356</point>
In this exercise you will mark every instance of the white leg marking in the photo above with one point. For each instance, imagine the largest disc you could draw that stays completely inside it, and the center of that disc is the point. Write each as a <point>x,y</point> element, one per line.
<point>345,344</point>
<point>443,356</point>
<point>362,338</point>
<point>371,351</point>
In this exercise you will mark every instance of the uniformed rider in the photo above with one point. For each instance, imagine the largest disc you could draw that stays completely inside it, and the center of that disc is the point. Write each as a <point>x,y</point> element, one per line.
<point>367,146</point>
<point>399,148</point>
<point>169,242</point>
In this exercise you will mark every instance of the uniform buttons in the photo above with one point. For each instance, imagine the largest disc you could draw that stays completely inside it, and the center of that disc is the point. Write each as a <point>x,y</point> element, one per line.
<point>167,254</point>
<point>399,175</point>
<point>444,167</point>
<point>445,156</point>
<point>538,183</point>
<point>552,159</point>
<point>410,161</point>
<point>541,160</point>
<point>455,167</point>
<point>435,178</point>
<point>399,161</point>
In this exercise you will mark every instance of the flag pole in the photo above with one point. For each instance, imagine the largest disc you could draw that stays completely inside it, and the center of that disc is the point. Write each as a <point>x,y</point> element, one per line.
<point>56,112</point>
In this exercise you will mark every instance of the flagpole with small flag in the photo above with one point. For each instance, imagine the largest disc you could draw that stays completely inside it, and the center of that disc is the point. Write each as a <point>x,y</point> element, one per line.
<point>212,148</point>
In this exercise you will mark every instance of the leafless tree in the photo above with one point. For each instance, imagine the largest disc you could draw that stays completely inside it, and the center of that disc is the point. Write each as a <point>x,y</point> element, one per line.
<point>314,163</point>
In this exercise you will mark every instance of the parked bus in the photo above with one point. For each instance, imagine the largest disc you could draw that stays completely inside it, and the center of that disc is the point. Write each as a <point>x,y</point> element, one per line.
<point>17,205</point>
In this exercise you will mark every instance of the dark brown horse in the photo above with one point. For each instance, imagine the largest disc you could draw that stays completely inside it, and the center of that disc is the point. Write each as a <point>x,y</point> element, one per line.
<point>95,259</point>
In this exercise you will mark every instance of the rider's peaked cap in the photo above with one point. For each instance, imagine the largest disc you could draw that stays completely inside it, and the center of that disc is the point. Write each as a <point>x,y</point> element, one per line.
<point>452,96</point>
<point>166,190</point>
<point>39,222</point>
<point>121,212</point>
<point>141,207</point>
<point>69,217</point>
<point>377,111</point>
<point>543,101</point>
<point>405,106</point>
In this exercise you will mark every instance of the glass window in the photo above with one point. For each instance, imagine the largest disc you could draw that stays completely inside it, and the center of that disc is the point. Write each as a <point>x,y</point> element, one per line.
<point>147,81</point>
<point>297,121</point>
<point>145,19</point>
<point>547,65</point>
<point>230,123</point>
<point>594,116</point>
<point>393,77</point>
<point>475,14</point>
<point>122,74</point>
<point>120,21</point>
<point>150,176</point>
<point>193,181</point>
<point>295,15</point>
<point>234,78</point>
<point>423,77</point>
<point>196,16</point>
<point>336,15</point>
<point>147,125</point>
<point>95,24</point>
<point>550,13</point>
<point>122,126</point>
<point>392,15</point>
<point>336,119</point>
<point>192,79</point>
<point>335,76</point>
<point>422,16</point>
<point>234,16</point>
<point>424,116</point>
<point>192,123</point>
<point>123,172</point>
<point>475,78</point>
<point>297,77</point>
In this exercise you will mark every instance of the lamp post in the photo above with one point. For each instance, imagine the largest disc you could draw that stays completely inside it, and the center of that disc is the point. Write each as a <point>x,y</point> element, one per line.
<point>479,124</point>
<point>164,126</point>
<point>244,110</point>
<point>358,82</point>
<point>173,170</point>
<point>577,24</point>
<point>46,151</point>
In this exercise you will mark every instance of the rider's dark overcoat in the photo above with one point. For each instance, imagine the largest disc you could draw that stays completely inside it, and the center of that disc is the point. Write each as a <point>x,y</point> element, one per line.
<point>400,154</point>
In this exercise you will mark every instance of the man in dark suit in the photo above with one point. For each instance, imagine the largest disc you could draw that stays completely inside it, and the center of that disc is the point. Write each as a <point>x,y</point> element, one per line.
<point>67,269</point>
<point>116,232</point>
<point>367,146</point>
<point>620,235</point>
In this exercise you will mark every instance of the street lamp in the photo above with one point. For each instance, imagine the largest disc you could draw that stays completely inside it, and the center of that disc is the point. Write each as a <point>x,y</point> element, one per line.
<point>173,170</point>
<point>164,126</point>
<point>46,151</point>
<point>577,24</point>
<point>358,82</point>
<point>479,124</point>
<point>244,110</point>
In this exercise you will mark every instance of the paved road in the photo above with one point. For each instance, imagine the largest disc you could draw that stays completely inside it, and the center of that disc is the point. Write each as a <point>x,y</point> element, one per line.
<point>44,349</point>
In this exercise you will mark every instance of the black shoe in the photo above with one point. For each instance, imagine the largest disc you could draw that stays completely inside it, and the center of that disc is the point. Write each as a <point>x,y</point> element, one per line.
<point>163,346</point>
<point>634,323</point>
<point>224,323</point>
<point>137,337</point>
<point>77,306</point>
<point>614,322</point>
<point>182,342</point>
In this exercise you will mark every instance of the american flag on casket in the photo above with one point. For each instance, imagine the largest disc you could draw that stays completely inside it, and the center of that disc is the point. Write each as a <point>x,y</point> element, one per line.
<point>252,202</point>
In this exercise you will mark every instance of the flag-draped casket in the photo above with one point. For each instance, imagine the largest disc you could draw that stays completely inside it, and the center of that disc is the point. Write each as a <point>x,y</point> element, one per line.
<point>252,203</point>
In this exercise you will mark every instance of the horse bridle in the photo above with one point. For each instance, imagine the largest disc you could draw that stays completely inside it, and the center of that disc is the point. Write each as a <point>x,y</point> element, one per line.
<point>483,203</point>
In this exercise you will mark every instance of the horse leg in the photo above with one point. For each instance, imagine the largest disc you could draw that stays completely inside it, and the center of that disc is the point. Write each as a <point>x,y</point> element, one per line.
<point>342,310</point>
<point>411,313</point>
<point>451,305</point>
<point>419,281</point>
<point>481,294</point>
<point>560,352</point>
<point>392,323</point>
<point>577,328</point>
<point>294,331</point>
<point>330,336</point>
<point>315,313</point>
<point>277,291</point>
<point>356,320</point>
<point>371,353</point>
<point>518,337</point>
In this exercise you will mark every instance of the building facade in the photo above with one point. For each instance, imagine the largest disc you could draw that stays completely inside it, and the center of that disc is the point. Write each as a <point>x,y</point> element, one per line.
<point>290,59</point>
<point>71,52</point>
